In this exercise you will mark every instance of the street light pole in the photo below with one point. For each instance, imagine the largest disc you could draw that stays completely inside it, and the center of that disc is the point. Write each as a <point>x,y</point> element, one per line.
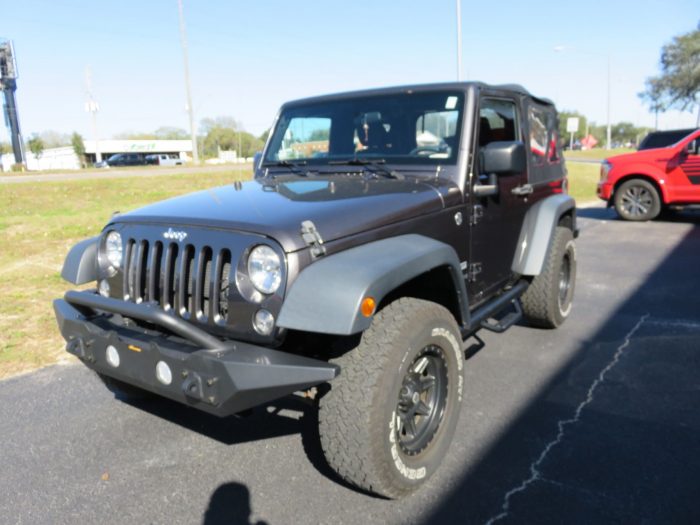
<point>459,40</point>
<point>190,110</point>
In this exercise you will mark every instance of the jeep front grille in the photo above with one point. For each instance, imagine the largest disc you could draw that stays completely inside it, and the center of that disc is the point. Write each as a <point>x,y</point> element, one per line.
<point>191,281</point>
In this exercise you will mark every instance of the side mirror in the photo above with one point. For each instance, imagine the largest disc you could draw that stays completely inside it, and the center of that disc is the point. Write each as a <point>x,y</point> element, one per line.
<point>503,158</point>
<point>257,158</point>
<point>692,147</point>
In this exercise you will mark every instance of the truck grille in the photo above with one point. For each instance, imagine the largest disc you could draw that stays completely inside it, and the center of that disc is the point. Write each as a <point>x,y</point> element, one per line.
<point>191,281</point>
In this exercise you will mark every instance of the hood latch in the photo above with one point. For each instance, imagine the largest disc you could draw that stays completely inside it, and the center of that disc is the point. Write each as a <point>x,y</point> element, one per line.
<point>312,239</point>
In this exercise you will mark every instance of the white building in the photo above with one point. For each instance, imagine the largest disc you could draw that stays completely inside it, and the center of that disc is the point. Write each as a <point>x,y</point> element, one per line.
<point>110,147</point>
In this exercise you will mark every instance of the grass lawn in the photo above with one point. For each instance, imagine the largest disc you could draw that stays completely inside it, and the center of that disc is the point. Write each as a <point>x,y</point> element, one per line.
<point>595,154</point>
<point>38,224</point>
<point>583,179</point>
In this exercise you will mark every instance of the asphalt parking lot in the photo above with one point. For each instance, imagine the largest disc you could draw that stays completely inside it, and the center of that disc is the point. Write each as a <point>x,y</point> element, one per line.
<point>597,422</point>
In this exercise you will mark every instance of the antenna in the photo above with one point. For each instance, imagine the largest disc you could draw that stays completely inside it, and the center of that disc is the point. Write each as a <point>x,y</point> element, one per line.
<point>92,107</point>
<point>8,85</point>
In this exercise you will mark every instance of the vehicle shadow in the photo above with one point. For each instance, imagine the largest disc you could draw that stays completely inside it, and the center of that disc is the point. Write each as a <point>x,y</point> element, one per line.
<point>230,505</point>
<point>286,416</point>
<point>622,449</point>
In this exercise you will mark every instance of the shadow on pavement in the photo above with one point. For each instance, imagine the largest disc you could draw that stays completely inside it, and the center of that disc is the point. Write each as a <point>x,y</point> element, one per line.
<point>230,505</point>
<point>633,453</point>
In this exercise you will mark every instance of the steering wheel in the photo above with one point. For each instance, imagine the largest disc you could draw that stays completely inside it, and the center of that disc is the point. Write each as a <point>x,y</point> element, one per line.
<point>423,151</point>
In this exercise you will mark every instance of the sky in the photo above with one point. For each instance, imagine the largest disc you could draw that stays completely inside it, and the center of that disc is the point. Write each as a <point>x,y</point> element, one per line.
<point>247,58</point>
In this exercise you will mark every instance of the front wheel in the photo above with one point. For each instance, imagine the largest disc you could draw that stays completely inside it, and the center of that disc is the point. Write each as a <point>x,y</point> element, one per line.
<point>637,200</point>
<point>387,421</point>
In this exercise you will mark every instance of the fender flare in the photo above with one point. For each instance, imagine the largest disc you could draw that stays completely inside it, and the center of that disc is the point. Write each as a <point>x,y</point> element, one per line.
<point>326,296</point>
<point>80,266</point>
<point>537,231</point>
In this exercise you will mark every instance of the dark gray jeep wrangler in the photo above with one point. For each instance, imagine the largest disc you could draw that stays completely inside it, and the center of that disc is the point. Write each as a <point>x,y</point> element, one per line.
<point>382,230</point>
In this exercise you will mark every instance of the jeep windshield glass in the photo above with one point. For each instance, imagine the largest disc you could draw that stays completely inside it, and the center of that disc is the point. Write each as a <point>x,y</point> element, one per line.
<point>399,128</point>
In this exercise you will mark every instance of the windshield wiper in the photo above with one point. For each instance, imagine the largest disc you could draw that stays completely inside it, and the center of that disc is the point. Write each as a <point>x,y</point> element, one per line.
<point>294,167</point>
<point>374,166</point>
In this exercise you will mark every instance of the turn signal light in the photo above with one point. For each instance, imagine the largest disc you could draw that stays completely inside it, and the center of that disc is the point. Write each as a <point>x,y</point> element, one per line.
<point>368,306</point>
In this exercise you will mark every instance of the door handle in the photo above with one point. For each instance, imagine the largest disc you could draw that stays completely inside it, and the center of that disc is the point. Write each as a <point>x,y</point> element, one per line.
<point>521,191</point>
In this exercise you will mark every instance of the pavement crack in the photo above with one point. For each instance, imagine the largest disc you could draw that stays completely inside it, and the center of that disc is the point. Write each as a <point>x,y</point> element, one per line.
<point>535,473</point>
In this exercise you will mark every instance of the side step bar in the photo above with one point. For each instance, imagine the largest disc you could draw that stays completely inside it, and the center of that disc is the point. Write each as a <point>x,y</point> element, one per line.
<point>479,317</point>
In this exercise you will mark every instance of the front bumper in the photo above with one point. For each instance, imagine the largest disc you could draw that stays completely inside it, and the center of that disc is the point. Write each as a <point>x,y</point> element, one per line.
<point>605,190</point>
<point>219,377</point>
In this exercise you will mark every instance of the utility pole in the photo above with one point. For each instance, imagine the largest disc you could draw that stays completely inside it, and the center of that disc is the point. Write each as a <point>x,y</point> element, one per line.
<point>92,107</point>
<point>185,58</point>
<point>459,40</point>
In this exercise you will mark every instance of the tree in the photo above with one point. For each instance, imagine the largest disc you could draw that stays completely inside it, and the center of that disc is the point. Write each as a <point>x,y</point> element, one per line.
<point>36,145</point>
<point>5,148</point>
<point>678,85</point>
<point>54,139</point>
<point>76,141</point>
<point>171,133</point>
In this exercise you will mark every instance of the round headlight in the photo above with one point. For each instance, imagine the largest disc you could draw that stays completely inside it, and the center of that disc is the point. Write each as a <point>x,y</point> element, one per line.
<point>264,269</point>
<point>113,249</point>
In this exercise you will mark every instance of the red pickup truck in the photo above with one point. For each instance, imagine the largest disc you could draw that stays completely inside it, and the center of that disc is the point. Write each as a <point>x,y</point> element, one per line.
<point>642,183</point>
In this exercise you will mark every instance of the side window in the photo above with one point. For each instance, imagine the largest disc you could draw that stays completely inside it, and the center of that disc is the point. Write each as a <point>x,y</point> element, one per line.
<point>543,141</point>
<point>304,138</point>
<point>497,121</point>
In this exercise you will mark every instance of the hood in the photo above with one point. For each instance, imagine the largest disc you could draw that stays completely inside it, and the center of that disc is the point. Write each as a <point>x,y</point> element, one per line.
<point>645,155</point>
<point>338,206</point>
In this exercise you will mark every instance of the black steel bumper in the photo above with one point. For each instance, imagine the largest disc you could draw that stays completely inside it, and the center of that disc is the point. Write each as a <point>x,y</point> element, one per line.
<point>219,377</point>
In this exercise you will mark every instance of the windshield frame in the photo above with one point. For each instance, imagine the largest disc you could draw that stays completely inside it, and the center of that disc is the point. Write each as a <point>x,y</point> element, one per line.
<point>332,107</point>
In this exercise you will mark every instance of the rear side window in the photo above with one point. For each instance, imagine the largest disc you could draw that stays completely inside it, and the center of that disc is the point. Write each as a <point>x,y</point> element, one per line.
<point>543,143</point>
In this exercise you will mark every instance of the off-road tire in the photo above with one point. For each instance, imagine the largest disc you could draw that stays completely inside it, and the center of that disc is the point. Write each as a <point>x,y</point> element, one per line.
<point>360,416</point>
<point>124,390</point>
<point>637,200</point>
<point>544,303</point>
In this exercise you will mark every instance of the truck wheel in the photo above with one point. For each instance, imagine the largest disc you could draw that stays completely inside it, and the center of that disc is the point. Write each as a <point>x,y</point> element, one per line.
<point>548,300</point>
<point>124,390</point>
<point>637,200</point>
<point>387,421</point>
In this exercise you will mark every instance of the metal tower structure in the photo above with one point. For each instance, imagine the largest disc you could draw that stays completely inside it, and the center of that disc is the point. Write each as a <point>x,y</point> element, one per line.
<point>8,85</point>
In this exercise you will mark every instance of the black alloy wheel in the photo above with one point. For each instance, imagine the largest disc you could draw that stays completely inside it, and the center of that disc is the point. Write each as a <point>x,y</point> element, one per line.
<point>422,400</point>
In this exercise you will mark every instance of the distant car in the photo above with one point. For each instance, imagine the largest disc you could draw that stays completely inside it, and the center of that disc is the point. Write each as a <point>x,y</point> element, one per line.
<point>164,159</point>
<point>123,159</point>
<point>640,184</point>
<point>662,139</point>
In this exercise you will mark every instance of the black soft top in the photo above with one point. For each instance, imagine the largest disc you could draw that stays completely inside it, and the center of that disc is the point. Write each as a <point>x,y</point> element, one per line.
<point>447,86</point>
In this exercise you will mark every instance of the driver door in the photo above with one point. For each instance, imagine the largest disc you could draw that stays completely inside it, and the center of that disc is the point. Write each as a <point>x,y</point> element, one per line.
<point>496,220</point>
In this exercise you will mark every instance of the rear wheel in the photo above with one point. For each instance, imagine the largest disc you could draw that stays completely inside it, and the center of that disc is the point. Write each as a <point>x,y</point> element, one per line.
<point>387,421</point>
<point>548,300</point>
<point>637,200</point>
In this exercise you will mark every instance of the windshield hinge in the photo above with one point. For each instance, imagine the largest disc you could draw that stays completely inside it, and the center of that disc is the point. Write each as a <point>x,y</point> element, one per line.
<point>473,270</point>
<point>312,239</point>
<point>477,214</point>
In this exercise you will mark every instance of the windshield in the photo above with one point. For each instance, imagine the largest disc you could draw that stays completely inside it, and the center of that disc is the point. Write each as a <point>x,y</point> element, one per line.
<point>402,128</point>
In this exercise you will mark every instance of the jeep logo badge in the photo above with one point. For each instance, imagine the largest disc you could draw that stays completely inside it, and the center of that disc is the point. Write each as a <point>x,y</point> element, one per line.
<point>172,234</point>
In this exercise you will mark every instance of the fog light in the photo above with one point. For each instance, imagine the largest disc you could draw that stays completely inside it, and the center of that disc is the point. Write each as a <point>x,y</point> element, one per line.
<point>163,373</point>
<point>112,356</point>
<point>104,288</point>
<point>263,322</point>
